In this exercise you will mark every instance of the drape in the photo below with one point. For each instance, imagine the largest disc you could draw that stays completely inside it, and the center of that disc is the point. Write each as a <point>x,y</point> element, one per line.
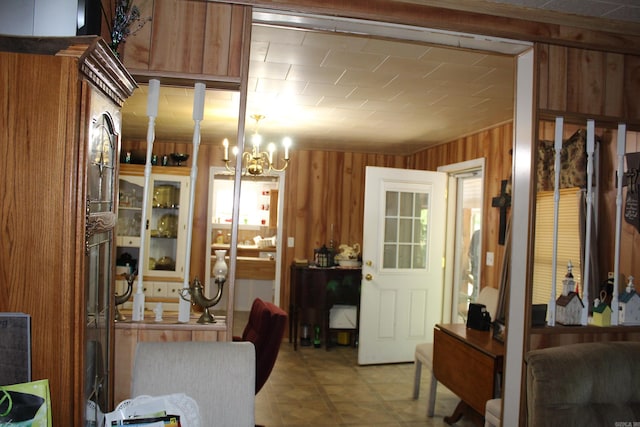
<point>593,272</point>
<point>573,162</point>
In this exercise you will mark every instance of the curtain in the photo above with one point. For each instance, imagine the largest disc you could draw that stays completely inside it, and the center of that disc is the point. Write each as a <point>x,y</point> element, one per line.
<point>593,272</point>
<point>573,162</point>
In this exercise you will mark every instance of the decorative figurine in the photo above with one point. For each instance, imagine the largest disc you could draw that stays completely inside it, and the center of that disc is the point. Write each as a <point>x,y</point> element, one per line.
<point>158,311</point>
<point>629,306</point>
<point>601,311</point>
<point>569,305</point>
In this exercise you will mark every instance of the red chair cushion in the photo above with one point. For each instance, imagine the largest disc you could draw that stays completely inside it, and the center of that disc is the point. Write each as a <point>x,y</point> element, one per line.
<point>265,329</point>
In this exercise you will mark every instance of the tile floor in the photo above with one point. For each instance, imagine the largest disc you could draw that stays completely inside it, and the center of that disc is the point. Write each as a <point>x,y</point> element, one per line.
<point>315,387</point>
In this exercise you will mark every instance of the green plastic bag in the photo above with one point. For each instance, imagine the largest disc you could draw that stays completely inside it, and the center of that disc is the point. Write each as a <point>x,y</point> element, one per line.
<point>25,404</point>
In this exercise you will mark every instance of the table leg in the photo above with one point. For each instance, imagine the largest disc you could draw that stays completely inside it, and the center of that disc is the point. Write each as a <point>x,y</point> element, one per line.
<point>464,410</point>
<point>290,323</point>
<point>294,319</point>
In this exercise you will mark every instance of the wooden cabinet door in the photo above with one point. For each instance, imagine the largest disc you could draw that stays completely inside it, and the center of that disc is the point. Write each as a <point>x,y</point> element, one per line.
<point>186,38</point>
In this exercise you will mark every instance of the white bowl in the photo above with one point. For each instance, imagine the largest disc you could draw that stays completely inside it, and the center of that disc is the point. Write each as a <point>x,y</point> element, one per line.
<point>351,263</point>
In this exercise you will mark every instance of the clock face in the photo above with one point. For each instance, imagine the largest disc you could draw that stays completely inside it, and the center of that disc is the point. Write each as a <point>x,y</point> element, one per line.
<point>101,164</point>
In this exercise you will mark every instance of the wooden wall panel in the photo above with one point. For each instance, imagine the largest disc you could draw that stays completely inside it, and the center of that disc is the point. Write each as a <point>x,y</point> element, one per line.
<point>178,26</point>
<point>324,188</point>
<point>494,145</point>
<point>225,38</point>
<point>188,38</point>
<point>136,50</point>
<point>632,86</point>
<point>216,43</point>
<point>588,82</point>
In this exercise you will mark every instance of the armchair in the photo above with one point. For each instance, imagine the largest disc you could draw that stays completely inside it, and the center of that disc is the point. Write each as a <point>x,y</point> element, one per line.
<point>265,329</point>
<point>219,376</point>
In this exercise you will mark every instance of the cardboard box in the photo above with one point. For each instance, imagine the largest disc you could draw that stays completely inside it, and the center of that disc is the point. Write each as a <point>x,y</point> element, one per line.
<point>343,317</point>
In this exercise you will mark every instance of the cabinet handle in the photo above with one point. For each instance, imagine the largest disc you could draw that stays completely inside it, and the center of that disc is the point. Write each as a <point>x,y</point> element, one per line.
<point>368,277</point>
<point>147,225</point>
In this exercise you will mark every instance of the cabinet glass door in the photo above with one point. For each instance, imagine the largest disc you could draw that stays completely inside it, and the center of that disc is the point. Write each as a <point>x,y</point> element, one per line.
<point>130,216</point>
<point>167,226</point>
<point>100,222</point>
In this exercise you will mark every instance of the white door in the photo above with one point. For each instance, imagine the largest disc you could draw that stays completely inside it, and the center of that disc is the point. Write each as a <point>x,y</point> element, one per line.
<point>402,272</point>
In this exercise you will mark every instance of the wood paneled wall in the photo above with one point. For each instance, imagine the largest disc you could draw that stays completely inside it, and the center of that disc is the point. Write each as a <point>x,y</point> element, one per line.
<point>494,145</point>
<point>325,188</point>
<point>601,85</point>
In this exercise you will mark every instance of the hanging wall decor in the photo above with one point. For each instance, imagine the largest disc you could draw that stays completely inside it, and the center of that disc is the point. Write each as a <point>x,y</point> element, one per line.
<point>632,181</point>
<point>503,202</point>
<point>573,162</point>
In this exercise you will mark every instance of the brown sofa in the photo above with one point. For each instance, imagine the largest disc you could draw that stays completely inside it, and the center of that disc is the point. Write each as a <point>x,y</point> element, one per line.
<point>589,384</point>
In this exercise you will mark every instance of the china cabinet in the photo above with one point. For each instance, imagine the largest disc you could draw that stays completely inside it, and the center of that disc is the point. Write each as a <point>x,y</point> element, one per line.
<point>59,142</point>
<point>166,227</point>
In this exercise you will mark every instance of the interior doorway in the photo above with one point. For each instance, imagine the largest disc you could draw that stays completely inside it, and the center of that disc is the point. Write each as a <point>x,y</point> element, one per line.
<point>465,203</point>
<point>258,264</point>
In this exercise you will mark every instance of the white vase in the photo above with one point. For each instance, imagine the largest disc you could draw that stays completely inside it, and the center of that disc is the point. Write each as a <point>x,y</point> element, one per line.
<point>220,268</point>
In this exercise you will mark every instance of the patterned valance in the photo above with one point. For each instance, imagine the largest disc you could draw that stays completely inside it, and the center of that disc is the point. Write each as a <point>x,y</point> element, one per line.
<point>573,163</point>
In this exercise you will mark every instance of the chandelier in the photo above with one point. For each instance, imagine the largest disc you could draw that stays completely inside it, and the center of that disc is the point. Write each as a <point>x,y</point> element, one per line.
<point>256,162</point>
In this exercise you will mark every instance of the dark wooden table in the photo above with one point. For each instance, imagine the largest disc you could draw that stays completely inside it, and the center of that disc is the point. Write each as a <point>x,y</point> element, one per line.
<point>469,363</point>
<point>314,291</point>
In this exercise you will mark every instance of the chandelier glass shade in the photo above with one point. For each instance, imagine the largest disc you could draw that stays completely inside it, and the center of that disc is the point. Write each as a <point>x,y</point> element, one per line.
<point>254,161</point>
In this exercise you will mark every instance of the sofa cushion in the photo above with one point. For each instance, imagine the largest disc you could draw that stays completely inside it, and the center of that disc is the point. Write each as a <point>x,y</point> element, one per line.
<point>588,384</point>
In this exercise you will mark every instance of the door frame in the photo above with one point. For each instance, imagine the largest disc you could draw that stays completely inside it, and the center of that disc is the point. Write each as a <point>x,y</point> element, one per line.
<point>449,301</point>
<point>213,170</point>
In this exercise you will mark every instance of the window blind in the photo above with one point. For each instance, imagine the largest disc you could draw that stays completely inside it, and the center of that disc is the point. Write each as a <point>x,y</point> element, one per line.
<point>568,242</point>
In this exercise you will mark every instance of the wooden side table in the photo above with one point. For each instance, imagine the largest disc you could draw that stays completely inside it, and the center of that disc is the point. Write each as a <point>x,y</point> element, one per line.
<point>469,363</point>
<point>314,291</point>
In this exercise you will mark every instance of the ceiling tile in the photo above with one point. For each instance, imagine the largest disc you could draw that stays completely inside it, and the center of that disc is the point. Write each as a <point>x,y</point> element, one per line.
<point>356,77</point>
<point>353,60</point>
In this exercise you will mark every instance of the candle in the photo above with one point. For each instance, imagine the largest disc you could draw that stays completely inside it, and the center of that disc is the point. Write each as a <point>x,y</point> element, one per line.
<point>271,148</point>
<point>198,101</point>
<point>152,97</point>
<point>287,143</point>
<point>225,144</point>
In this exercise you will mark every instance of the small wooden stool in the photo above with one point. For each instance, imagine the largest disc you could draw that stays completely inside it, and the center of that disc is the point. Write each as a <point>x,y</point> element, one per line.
<point>424,356</point>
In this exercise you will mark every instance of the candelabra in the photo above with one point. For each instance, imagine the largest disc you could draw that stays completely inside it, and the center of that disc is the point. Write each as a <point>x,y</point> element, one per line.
<point>194,291</point>
<point>121,299</point>
<point>256,162</point>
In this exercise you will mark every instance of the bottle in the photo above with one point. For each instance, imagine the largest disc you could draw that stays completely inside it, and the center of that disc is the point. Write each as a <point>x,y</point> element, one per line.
<point>316,338</point>
<point>305,338</point>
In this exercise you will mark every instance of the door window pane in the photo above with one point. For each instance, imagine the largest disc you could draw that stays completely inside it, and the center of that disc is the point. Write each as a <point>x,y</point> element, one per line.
<point>391,230</point>
<point>391,203</point>
<point>406,231</point>
<point>406,226</point>
<point>389,257</point>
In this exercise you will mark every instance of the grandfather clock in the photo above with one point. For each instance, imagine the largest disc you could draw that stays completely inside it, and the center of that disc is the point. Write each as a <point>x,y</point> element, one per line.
<point>59,143</point>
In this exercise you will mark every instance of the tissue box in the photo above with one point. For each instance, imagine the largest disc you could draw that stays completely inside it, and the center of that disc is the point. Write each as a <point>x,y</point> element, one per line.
<point>343,317</point>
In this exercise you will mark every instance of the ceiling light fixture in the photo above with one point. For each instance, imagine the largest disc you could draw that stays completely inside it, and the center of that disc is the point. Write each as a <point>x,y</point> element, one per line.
<point>256,162</point>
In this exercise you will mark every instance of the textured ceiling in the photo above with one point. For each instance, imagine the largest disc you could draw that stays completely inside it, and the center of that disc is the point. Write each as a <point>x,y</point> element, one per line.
<point>347,85</point>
